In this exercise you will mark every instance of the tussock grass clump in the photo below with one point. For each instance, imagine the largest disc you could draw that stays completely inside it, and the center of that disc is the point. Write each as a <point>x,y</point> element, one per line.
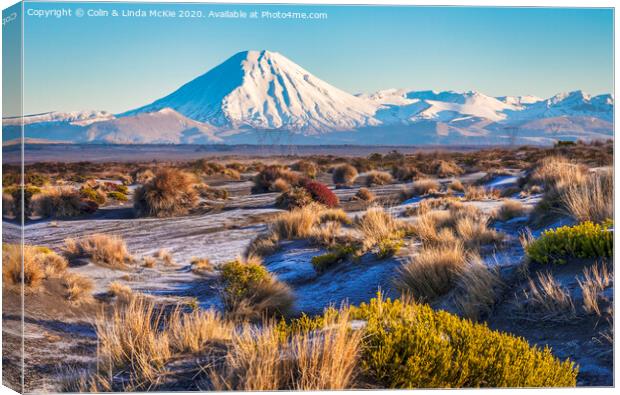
<point>423,186</point>
<point>365,195</point>
<point>265,180</point>
<point>586,240</point>
<point>164,256</point>
<point>475,233</point>
<point>264,244</point>
<point>592,199</point>
<point>473,192</point>
<point>596,279</point>
<point>477,288</point>
<point>306,167</point>
<point>511,209</point>
<point>456,185</point>
<point>121,291</point>
<point>546,299</point>
<point>344,175</point>
<point>409,345</point>
<point>270,358</point>
<point>405,173</point>
<point>445,168</point>
<point>381,230</point>
<point>33,272</point>
<point>280,185</point>
<point>298,223</point>
<point>101,249</point>
<point>431,272</point>
<point>376,177</point>
<point>77,287</point>
<point>201,265</point>
<point>191,332</point>
<point>8,205</point>
<point>250,291</point>
<point>170,192</point>
<point>57,202</point>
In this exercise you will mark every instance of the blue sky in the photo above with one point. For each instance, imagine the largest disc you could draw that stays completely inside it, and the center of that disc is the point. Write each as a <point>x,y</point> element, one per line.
<point>117,64</point>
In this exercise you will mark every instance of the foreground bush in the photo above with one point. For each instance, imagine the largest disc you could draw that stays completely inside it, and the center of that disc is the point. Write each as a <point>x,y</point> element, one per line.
<point>409,345</point>
<point>250,291</point>
<point>58,202</point>
<point>378,178</point>
<point>344,175</point>
<point>294,198</point>
<point>586,240</point>
<point>275,178</point>
<point>170,192</point>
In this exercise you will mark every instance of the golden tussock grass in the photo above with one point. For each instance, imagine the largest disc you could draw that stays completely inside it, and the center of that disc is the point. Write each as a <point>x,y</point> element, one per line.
<point>201,265</point>
<point>169,193</point>
<point>264,244</point>
<point>148,261</point>
<point>192,332</point>
<point>423,186</point>
<point>473,192</point>
<point>344,175</point>
<point>477,288</point>
<point>77,287</point>
<point>510,209</point>
<point>456,185</point>
<point>377,226</point>
<point>596,278</point>
<point>121,291</point>
<point>265,359</point>
<point>165,256</point>
<point>365,194</point>
<point>475,233</point>
<point>431,272</point>
<point>376,177</point>
<point>546,299</point>
<point>592,199</point>
<point>100,249</point>
<point>297,223</point>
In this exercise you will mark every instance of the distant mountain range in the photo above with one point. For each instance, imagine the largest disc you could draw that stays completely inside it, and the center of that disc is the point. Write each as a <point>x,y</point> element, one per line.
<point>262,97</point>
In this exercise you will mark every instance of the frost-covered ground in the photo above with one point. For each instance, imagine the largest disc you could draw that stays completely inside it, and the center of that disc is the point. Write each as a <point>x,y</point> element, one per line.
<point>223,234</point>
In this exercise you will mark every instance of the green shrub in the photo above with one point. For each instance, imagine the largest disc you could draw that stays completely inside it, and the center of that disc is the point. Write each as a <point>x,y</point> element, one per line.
<point>91,194</point>
<point>388,247</point>
<point>408,345</point>
<point>335,256</point>
<point>239,277</point>
<point>121,197</point>
<point>586,240</point>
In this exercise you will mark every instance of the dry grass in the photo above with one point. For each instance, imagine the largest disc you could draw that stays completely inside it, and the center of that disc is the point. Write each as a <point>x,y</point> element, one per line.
<point>57,202</point>
<point>201,265</point>
<point>264,244</point>
<point>164,256</point>
<point>344,175</point>
<point>365,194</point>
<point>473,192</point>
<point>77,287</point>
<point>298,223</point>
<point>121,291</point>
<point>262,359</point>
<point>511,209</point>
<point>475,233</point>
<point>423,186</point>
<point>281,185</point>
<point>557,172</point>
<point>148,261</point>
<point>546,299</point>
<point>192,332</point>
<point>428,227</point>
<point>456,185</point>
<point>596,279</point>
<point>378,226</point>
<point>326,234</point>
<point>592,199</point>
<point>169,193</point>
<point>33,273</point>
<point>378,178</point>
<point>100,249</point>
<point>431,272</point>
<point>477,287</point>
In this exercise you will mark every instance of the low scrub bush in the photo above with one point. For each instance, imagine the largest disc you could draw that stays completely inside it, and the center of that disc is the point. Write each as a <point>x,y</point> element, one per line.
<point>170,192</point>
<point>294,198</point>
<point>511,209</point>
<point>118,196</point>
<point>333,257</point>
<point>264,244</point>
<point>321,193</point>
<point>378,178</point>
<point>365,195</point>
<point>405,173</point>
<point>586,240</point>
<point>250,291</point>
<point>307,168</point>
<point>444,168</point>
<point>58,202</point>
<point>344,175</point>
<point>265,180</point>
<point>409,345</point>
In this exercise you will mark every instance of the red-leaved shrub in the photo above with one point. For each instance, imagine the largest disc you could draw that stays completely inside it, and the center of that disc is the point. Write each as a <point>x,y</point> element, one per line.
<point>321,193</point>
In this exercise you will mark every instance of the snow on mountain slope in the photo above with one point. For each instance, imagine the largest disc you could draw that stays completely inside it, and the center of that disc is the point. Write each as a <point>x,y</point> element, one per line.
<point>81,118</point>
<point>265,90</point>
<point>165,126</point>
<point>574,103</point>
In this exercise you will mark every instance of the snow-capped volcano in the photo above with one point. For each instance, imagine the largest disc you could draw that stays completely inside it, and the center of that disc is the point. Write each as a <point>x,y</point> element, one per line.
<point>265,90</point>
